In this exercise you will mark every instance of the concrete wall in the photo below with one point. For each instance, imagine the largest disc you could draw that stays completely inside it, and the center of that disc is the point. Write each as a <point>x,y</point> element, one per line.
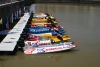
<point>63,1</point>
<point>92,0</point>
<point>56,1</point>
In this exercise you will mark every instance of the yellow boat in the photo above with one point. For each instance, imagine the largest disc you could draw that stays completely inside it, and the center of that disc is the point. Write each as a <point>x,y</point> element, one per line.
<point>42,22</point>
<point>56,39</point>
<point>39,19</point>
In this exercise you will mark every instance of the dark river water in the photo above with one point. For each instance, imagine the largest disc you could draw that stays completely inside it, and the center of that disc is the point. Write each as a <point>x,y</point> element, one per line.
<point>82,24</point>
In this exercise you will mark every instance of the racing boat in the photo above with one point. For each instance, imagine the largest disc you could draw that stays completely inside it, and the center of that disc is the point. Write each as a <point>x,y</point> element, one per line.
<point>44,26</point>
<point>52,26</point>
<point>48,48</point>
<point>43,22</point>
<point>47,40</point>
<point>41,31</point>
<point>42,19</point>
<point>42,15</point>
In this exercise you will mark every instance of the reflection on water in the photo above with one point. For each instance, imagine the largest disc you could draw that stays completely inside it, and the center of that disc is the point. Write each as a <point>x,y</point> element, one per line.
<point>81,21</point>
<point>5,59</point>
<point>57,58</point>
<point>2,62</point>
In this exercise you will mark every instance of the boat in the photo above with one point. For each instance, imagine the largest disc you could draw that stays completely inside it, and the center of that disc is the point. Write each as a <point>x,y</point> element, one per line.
<point>48,48</point>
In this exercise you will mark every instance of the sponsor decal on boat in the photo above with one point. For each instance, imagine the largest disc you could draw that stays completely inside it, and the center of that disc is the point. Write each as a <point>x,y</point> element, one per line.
<point>38,43</point>
<point>39,30</point>
<point>57,48</point>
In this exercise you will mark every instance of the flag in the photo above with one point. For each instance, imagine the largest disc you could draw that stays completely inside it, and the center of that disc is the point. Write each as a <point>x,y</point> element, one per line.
<point>22,11</point>
<point>19,12</point>
<point>8,1</point>
<point>7,23</point>
<point>17,15</point>
<point>11,18</point>
<point>1,21</point>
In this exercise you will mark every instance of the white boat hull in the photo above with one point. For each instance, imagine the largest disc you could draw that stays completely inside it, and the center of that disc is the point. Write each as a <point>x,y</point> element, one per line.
<point>48,48</point>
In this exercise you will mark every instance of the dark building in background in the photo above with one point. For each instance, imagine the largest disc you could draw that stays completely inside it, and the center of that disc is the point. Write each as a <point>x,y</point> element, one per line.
<point>29,2</point>
<point>10,13</point>
<point>67,1</point>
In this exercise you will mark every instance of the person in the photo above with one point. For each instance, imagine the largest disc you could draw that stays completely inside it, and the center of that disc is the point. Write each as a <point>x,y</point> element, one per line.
<point>52,23</point>
<point>59,36</point>
<point>56,30</point>
<point>32,37</point>
<point>49,19</point>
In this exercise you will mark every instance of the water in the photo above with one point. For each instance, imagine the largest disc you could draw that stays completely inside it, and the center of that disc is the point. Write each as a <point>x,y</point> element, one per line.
<point>82,23</point>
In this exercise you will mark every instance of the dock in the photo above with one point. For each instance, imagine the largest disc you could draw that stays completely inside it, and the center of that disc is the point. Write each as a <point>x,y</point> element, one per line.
<point>10,41</point>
